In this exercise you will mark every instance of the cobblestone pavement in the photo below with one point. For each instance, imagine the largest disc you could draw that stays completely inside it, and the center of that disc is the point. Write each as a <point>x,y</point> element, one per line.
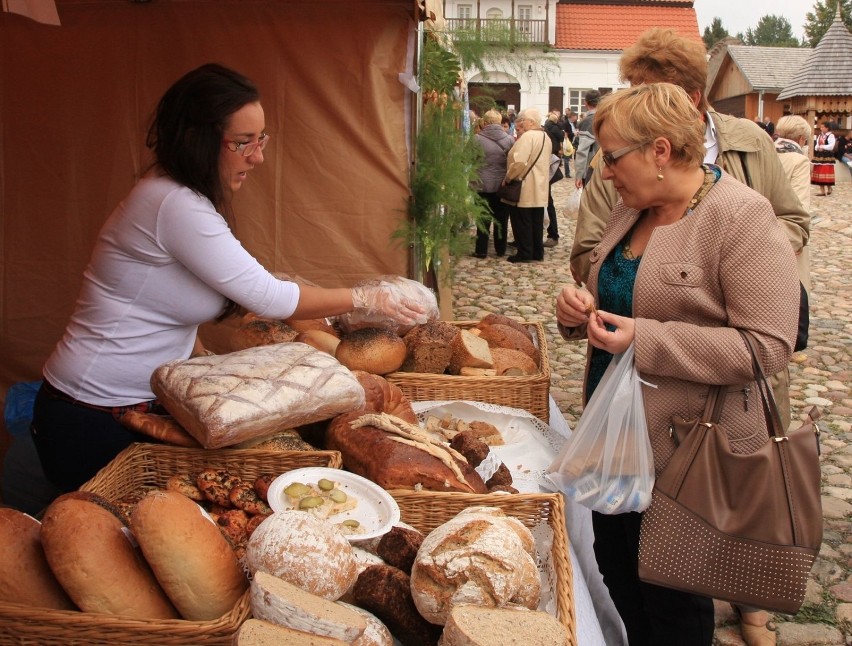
<point>821,376</point>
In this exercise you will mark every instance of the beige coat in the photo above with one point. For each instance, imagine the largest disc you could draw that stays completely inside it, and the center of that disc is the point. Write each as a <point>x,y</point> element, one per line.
<point>534,190</point>
<point>797,168</point>
<point>727,265</point>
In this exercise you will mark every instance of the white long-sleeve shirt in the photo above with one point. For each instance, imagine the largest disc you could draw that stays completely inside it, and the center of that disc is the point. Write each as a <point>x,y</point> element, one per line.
<point>164,262</point>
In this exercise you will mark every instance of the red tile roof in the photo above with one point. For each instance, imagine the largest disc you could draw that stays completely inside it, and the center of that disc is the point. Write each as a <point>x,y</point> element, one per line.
<point>614,27</point>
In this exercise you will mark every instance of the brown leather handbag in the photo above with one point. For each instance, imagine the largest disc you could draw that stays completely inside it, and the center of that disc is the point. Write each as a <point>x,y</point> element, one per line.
<point>740,528</point>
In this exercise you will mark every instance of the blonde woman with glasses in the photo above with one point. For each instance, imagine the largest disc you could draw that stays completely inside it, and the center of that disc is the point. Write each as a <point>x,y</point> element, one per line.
<point>164,262</point>
<point>689,256</point>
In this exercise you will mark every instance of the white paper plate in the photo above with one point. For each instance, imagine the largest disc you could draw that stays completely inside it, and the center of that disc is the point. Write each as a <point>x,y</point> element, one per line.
<point>376,512</point>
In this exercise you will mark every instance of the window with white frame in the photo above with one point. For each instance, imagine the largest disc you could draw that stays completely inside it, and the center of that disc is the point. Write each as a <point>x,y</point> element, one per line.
<point>494,14</point>
<point>523,18</point>
<point>576,99</point>
<point>464,11</point>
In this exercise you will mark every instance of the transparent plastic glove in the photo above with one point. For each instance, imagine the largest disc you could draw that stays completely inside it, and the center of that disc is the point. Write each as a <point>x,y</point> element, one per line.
<point>381,299</point>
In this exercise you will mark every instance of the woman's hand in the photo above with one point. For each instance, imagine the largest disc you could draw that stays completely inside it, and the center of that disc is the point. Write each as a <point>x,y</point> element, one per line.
<point>573,306</point>
<point>387,299</point>
<point>614,342</point>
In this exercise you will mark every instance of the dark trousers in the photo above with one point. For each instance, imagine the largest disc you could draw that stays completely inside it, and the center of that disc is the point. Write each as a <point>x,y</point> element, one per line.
<point>552,226</point>
<point>652,615</point>
<point>74,442</point>
<point>500,212</point>
<point>528,227</point>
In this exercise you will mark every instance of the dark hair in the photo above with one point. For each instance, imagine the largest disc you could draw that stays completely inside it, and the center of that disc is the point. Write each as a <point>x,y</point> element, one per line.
<point>592,98</point>
<point>189,123</point>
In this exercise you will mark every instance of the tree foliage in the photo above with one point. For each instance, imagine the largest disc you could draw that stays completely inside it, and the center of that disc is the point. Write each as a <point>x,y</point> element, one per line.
<point>771,31</point>
<point>819,20</point>
<point>714,33</point>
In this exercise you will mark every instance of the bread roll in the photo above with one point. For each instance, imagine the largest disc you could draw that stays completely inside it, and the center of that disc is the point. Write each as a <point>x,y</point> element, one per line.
<point>501,319</point>
<point>255,632</point>
<point>371,349</point>
<point>474,559</point>
<point>25,576</point>
<point>227,399</point>
<point>282,603</point>
<point>94,560</point>
<point>255,331</point>
<point>307,325</point>
<point>429,347</point>
<point>469,351</point>
<point>503,336</point>
<point>319,339</point>
<point>479,626</point>
<point>191,559</point>
<point>305,551</point>
<point>513,363</point>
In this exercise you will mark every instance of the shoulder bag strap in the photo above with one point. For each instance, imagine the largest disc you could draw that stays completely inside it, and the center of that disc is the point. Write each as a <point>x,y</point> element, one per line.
<point>530,167</point>
<point>770,408</point>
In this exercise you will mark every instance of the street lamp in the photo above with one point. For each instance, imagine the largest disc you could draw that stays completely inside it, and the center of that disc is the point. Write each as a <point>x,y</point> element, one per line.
<point>529,71</point>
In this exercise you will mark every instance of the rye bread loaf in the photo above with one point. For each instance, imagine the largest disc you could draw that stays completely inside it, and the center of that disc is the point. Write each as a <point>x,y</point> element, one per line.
<point>503,336</point>
<point>90,551</point>
<point>375,350</point>
<point>255,331</point>
<point>282,603</point>
<point>308,552</point>
<point>191,559</point>
<point>399,546</point>
<point>226,399</point>
<point>255,632</point>
<point>502,319</point>
<point>481,626</point>
<point>429,347</point>
<point>385,591</point>
<point>469,351</point>
<point>25,576</point>
<point>474,558</point>
<point>513,363</point>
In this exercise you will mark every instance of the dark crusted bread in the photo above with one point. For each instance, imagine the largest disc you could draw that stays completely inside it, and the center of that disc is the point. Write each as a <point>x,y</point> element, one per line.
<point>386,592</point>
<point>429,347</point>
<point>399,547</point>
<point>372,349</point>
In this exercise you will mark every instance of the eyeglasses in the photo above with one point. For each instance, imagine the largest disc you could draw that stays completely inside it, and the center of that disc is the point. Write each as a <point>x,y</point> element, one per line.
<point>247,149</point>
<point>610,159</point>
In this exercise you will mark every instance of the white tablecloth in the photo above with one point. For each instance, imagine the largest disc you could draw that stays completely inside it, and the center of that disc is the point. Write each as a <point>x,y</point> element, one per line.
<point>530,447</point>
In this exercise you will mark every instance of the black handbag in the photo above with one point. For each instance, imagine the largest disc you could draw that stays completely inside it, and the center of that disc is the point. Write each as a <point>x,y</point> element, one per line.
<point>744,528</point>
<point>511,191</point>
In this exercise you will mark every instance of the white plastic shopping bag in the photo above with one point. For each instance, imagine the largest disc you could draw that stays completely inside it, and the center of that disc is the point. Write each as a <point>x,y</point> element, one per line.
<point>607,464</point>
<point>572,205</point>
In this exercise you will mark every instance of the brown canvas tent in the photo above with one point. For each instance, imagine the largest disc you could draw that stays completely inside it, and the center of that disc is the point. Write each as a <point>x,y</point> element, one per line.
<point>76,99</point>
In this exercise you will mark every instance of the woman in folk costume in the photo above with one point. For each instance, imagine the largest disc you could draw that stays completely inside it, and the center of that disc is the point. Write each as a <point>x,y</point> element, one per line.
<point>822,167</point>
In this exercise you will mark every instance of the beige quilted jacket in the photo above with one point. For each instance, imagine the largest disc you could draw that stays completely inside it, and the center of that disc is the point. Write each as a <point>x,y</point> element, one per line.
<point>727,265</point>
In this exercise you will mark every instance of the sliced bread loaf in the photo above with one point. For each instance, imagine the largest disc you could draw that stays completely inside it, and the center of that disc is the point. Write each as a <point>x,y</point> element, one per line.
<point>255,632</point>
<point>481,626</point>
<point>469,351</point>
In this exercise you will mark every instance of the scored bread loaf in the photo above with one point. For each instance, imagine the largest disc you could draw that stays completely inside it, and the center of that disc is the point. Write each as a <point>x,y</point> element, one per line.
<point>474,558</point>
<point>25,576</point>
<point>429,347</point>
<point>190,558</point>
<point>469,351</point>
<point>375,350</point>
<point>280,602</point>
<point>255,632</point>
<point>480,626</point>
<point>226,399</point>
<point>503,336</point>
<point>512,363</point>
<point>90,551</point>
<point>305,551</point>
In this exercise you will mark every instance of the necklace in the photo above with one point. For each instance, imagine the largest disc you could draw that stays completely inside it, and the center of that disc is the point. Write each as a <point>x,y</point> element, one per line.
<point>710,178</point>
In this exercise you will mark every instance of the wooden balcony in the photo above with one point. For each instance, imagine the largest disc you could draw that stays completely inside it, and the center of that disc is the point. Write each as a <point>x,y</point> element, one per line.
<point>513,29</point>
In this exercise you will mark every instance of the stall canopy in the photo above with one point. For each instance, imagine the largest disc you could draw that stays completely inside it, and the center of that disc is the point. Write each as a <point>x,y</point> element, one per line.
<point>76,100</point>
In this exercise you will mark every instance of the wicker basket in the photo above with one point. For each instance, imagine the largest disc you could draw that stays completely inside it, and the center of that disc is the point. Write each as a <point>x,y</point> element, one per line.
<point>426,510</point>
<point>143,465</point>
<point>530,392</point>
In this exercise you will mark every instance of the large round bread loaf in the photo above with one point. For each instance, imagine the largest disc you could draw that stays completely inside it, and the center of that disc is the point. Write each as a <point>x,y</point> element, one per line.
<point>375,350</point>
<point>94,560</point>
<point>190,558</point>
<point>473,558</point>
<point>25,576</point>
<point>308,552</point>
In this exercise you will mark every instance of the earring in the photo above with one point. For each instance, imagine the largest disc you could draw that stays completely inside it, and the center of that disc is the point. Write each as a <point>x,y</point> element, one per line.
<point>660,175</point>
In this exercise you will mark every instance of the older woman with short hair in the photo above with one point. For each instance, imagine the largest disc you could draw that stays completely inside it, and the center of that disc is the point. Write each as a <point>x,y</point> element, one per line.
<point>495,143</point>
<point>689,257</point>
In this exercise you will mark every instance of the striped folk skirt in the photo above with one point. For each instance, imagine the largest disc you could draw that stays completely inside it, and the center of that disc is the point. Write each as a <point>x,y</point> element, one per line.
<point>822,169</point>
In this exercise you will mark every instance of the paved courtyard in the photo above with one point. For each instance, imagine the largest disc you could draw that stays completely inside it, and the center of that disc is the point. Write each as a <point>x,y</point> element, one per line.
<point>821,376</point>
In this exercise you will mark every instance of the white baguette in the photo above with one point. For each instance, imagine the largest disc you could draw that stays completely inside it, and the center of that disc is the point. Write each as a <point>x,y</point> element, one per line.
<point>282,603</point>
